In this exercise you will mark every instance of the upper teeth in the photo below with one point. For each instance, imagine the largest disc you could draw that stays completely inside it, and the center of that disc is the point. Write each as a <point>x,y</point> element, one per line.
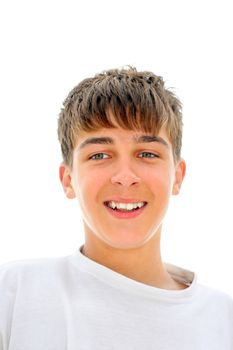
<point>126,206</point>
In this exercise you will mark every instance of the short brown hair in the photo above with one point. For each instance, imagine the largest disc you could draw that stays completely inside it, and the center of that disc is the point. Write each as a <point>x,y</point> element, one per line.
<point>137,100</point>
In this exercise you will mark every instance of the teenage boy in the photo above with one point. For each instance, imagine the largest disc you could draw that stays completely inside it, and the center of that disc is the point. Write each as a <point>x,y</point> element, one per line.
<point>120,135</point>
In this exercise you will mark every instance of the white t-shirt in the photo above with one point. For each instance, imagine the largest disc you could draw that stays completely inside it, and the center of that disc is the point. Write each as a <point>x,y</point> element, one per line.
<point>74,303</point>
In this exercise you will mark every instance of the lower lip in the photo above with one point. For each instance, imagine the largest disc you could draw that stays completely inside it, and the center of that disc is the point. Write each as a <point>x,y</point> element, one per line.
<point>124,214</point>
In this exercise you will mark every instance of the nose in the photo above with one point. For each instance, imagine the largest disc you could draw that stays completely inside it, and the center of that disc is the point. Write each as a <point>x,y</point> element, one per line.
<point>125,177</point>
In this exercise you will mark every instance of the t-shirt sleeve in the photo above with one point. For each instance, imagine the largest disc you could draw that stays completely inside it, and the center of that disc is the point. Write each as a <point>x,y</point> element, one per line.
<point>7,299</point>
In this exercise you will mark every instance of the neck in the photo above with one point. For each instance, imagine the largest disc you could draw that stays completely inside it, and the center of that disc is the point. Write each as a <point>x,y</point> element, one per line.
<point>143,264</point>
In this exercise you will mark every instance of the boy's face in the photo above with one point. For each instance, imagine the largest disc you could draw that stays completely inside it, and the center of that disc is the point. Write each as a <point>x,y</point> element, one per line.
<point>112,166</point>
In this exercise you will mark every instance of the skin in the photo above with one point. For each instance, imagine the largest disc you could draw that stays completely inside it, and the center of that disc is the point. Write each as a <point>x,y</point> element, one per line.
<point>146,172</point>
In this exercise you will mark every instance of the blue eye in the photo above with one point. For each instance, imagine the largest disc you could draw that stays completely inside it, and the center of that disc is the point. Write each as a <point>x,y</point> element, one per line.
<point>149,155</point>
<point>98,156</point>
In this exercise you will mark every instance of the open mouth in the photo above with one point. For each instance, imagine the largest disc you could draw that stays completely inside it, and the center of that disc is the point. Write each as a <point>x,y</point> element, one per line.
<point>125,207</point>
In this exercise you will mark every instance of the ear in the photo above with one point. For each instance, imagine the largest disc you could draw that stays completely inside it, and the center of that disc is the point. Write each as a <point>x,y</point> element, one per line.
<point>65,178</point>
<point>179,176</point>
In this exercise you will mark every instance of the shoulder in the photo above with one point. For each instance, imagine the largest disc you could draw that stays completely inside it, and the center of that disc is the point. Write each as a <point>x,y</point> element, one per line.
<point>217,301</point>
<point>18,266</point>
<point>30,279</point>
<point>27,286</point>
<point>13,274</point>
<point>213,293</point>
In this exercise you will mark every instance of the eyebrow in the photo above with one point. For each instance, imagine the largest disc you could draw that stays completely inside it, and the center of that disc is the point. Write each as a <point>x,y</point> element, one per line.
<point>109,141</point>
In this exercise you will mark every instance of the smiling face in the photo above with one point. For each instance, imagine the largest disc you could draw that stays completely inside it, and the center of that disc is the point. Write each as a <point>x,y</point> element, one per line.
<point>115,167</point>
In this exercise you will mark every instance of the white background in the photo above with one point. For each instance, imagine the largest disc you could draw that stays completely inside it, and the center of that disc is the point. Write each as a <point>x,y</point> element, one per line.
<point>47,48</point>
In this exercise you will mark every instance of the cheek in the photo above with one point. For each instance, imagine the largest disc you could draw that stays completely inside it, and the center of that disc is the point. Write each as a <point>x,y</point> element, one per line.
<point>161,182</point>
<point>89,188</point>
